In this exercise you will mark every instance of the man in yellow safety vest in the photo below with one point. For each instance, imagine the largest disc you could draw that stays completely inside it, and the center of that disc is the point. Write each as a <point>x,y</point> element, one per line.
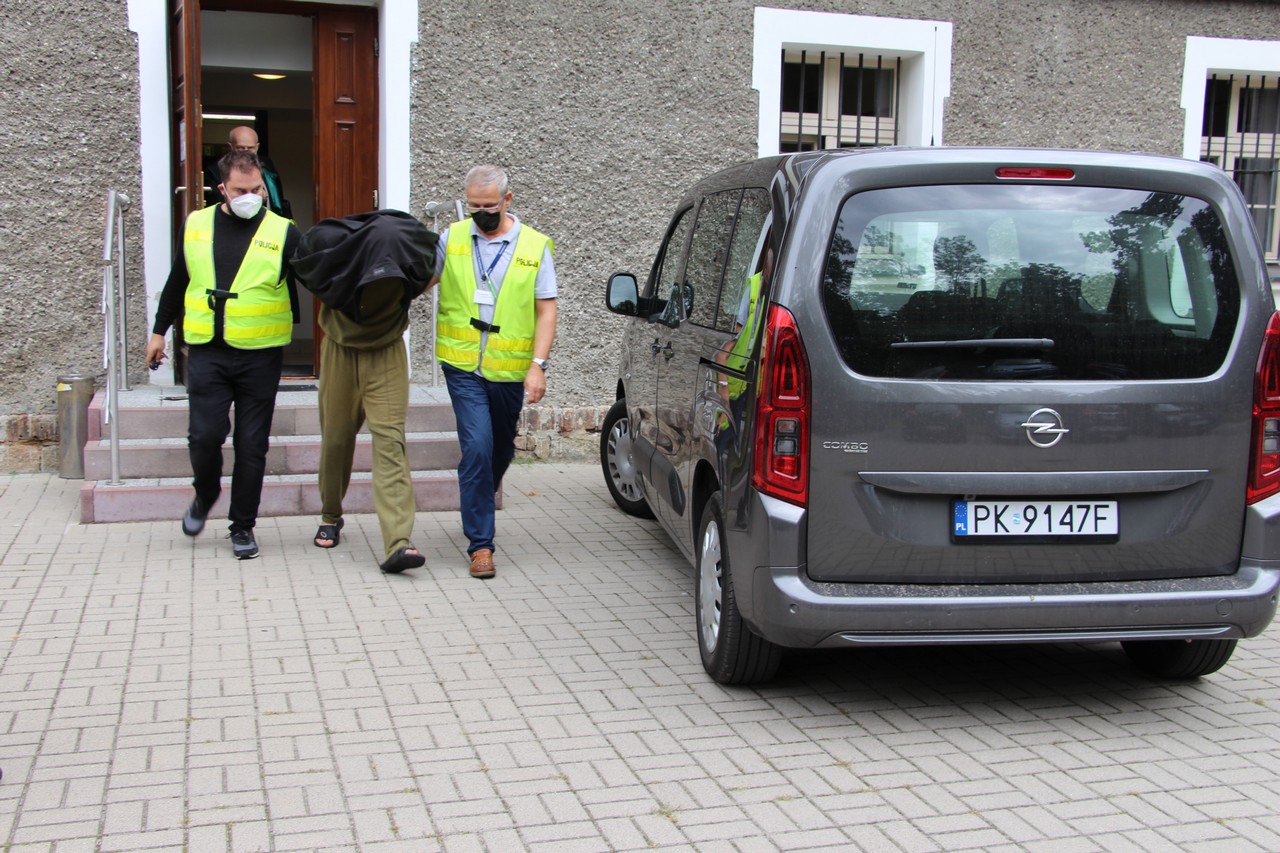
<point>494,329</point>
<point>234,288</point>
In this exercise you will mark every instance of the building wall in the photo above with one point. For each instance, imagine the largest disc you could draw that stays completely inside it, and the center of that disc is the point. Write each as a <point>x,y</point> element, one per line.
<point>68,134</point>
<point>602,111</point>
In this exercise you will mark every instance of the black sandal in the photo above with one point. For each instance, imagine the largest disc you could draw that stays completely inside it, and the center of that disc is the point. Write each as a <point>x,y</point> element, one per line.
<point>332,532</point>
<point>402,559</point>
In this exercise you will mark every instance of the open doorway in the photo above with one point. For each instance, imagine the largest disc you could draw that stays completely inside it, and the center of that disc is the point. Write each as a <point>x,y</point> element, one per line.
<point>256,71</point>
<point>321,130</point>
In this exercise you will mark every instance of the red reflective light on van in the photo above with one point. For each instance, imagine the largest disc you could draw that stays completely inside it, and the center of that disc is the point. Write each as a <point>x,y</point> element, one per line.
<point>1039,173</point>
<point>781,465</point>
<point>1264,453</point>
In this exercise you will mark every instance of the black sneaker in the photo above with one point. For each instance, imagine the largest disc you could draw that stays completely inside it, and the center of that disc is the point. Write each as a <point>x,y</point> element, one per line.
<point>193,518</point>
<point>243,545</point>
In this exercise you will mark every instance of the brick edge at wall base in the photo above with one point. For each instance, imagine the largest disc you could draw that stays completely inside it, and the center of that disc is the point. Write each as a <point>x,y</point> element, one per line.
<point>28,443</point>
<point>564,434</point>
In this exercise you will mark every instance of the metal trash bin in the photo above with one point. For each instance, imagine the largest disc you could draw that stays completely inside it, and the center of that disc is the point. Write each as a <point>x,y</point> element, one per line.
<point>75,391</point>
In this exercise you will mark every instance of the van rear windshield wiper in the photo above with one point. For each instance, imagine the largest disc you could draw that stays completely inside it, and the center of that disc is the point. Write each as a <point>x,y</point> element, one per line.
<point>977,343</point>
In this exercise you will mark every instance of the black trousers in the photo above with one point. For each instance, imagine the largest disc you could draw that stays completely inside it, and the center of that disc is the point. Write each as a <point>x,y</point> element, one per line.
<point>218,377</point>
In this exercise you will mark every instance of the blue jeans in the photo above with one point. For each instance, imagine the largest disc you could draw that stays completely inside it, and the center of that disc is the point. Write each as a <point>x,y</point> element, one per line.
<point>487,414</point>
<point>217,377</point>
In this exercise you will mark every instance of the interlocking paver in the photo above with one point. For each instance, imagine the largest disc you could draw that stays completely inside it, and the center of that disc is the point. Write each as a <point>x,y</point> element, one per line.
<point>161,696</point>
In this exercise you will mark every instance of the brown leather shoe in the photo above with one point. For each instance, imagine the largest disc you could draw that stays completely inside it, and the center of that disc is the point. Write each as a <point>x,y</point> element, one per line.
<point>482,563</point>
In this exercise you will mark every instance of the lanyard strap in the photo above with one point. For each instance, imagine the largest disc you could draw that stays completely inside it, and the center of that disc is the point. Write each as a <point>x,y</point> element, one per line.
<point>487,275</point>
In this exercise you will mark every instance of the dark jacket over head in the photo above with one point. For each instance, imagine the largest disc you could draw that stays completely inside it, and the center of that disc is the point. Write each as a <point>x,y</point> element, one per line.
<point>337,257</point>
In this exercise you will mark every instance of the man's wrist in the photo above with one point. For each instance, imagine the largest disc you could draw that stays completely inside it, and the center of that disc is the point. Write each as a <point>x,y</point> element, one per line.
<point>543,363</point>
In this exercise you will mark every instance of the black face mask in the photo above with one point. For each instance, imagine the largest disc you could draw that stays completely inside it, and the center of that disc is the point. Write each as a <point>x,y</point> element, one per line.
<point>486,221</point>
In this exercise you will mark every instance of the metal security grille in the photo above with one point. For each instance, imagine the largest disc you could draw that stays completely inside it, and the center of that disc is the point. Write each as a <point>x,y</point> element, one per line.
<point>838,99</point>
<point>1241,133</point>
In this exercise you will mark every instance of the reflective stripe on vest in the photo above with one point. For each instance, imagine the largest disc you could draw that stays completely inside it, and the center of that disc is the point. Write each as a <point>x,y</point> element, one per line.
<point>260,315</point>
<point>509,351</point>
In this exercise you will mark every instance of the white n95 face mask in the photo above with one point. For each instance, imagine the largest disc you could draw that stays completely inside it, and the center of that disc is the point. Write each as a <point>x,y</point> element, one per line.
<point>246,206</point>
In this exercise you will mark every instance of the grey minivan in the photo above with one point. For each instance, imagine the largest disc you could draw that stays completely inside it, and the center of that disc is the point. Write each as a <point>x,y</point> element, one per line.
<point>950,395</point>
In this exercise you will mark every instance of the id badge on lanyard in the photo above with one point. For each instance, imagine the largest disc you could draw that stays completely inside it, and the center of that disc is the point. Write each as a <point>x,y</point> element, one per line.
<point>486,294</point>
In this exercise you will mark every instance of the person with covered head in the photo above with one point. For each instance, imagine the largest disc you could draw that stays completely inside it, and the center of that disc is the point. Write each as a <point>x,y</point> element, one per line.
<point>494,330</point>
<point>233,285</point>
<point>366,270</point>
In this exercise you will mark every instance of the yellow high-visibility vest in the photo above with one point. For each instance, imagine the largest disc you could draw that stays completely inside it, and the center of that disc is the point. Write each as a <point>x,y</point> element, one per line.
<point>508,351</point>
<point>259,316</point>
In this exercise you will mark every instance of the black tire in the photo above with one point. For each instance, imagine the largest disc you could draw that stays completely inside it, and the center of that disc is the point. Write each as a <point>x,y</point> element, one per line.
<point>618,464</point>
<point>731,652</point>
<point>1179,658</point>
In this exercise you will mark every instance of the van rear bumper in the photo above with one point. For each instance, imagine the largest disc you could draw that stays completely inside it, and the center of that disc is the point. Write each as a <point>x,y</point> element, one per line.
<point>790,610</point>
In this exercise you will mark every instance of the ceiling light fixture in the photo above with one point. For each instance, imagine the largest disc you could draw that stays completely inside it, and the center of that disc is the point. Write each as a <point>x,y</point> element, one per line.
<point>266,76</point>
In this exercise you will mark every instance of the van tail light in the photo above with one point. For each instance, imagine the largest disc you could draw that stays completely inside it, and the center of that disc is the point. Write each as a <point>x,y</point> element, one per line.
<point>781,465</point>
<point>1264,455</point>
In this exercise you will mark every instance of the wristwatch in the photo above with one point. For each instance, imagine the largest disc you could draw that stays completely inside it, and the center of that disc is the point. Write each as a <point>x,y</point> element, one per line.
<point>544,363</point>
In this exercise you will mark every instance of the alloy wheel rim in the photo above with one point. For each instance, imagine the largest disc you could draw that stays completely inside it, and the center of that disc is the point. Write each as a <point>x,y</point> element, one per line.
<point>711,587</point>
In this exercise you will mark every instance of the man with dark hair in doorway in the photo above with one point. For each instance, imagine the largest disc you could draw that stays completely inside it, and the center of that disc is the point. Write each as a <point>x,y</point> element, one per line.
<point>245,138</point>
<point>233,285</point>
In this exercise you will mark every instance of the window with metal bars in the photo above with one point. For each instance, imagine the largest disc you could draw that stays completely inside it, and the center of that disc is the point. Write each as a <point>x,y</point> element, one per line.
<point>838,99</point>
<point>1240,132</point>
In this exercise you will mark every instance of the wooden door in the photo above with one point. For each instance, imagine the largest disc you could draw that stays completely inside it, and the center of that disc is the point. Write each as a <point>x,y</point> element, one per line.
<point>184,77</point>
<point>185,152</point>
<point>346,111</point>
<point>345,88</point>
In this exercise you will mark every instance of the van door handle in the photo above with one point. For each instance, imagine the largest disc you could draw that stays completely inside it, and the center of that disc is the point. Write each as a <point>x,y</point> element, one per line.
<point>667,351</point>
<point>654,348</point>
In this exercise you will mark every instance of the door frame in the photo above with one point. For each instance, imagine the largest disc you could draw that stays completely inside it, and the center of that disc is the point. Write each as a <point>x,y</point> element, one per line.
<point>148,19</point>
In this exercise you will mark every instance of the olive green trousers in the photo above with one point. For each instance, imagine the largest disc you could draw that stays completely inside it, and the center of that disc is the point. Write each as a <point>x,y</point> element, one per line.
<point>359,385</point>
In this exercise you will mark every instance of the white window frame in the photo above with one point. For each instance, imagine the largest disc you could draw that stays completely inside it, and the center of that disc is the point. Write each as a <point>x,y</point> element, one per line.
<point>923,46</point>
<point>1205,57</point>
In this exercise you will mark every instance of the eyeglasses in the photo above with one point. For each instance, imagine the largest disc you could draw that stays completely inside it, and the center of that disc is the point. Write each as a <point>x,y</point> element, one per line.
<point>484,208</point>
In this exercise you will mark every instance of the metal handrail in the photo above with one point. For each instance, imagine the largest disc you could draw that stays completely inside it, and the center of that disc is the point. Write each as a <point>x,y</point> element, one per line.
<point>115,338</point>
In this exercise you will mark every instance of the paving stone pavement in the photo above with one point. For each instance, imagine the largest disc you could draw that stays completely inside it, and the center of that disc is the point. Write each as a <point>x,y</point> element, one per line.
<point>155,694</point>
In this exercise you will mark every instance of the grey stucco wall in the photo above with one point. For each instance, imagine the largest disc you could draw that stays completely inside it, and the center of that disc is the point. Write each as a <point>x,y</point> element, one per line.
<point>602,111</point>
<point>68,133</point>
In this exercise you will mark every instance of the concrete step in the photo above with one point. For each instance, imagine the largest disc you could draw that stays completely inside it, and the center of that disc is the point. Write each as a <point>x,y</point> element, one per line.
<point>288,454</point>
<point>155,470</point>
<point>160,499</point>
<point>151,414</point>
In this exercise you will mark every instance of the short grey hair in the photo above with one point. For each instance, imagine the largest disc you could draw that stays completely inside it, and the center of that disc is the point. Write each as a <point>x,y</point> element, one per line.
<point>487,175</point>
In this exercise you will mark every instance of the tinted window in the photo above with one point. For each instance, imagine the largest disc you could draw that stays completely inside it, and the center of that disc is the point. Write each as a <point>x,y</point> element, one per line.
<point>745,255</point>
<point>708,253</point>
<point>1030,282</point>
<point>666,270</point>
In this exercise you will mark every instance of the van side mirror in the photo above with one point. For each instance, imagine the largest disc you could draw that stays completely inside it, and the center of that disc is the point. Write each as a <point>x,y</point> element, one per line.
<point>622,296</point>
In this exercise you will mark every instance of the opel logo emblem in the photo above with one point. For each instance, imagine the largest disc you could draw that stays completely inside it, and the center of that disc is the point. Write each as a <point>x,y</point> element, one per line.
<point>1044,428</point>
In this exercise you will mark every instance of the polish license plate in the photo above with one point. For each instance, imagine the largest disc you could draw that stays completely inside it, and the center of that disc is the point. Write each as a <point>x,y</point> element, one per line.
<point>1077,519</point>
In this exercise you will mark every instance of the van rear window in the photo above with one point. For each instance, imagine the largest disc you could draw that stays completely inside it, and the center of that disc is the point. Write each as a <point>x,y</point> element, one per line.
<point>1030,282</point>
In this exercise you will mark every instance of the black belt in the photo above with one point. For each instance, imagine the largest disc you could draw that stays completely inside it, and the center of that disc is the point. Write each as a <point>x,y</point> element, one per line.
<point>215,293</point>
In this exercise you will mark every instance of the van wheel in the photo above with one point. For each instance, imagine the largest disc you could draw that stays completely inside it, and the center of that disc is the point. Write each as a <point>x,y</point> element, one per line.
<point>1179,658</point>
<point>618,463</point>
<point>731,653</point>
